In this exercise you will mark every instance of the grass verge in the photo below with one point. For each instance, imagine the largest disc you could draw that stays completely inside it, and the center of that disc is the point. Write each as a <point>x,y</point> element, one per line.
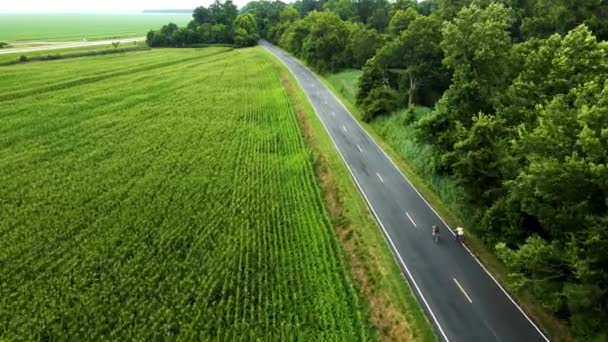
<point>393,309</point>
<point>557,330</point>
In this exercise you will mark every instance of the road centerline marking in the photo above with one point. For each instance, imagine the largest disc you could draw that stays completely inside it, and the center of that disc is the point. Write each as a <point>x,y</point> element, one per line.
<point>463,291</point>
<point>380,177</point>
<point>333,114</point>
<point>344,128</point>
<point>359,148</point>
<point>411,220</point>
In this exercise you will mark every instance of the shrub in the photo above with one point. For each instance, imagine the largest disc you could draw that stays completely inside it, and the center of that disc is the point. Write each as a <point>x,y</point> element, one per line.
<point>381,100</point>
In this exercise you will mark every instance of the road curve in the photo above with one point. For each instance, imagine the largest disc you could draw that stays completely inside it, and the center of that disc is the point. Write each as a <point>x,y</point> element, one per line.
<point>461,299</point>
<point>66,45</point>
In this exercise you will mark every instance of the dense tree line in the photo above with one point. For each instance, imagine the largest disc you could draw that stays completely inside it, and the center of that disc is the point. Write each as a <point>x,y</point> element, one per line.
<point>520,119</point>
<point>219,23</point>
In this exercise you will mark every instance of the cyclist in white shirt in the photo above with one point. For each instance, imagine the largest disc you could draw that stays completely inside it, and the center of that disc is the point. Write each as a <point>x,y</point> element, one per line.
<point>460,234</point>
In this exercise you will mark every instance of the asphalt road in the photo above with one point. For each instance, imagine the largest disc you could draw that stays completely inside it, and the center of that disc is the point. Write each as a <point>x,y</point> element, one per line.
<point>65,45</point>
<point>461,299</point>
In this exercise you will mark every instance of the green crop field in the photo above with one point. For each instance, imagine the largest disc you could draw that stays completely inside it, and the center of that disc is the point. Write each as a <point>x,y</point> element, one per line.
<point>164,194</point>
<point>76,27</point>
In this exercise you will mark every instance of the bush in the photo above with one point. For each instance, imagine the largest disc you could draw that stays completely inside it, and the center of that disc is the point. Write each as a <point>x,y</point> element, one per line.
<point>410,117</point>
<point>381,100</point>
<point>23,58</point>
<point>3,45</point>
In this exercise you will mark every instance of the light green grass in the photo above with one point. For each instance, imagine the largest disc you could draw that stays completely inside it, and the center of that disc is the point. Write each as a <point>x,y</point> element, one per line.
<point>395,311</point>
<point>414,160</point>
<point>76,27</point>
<point>164,194</point>
<point>8,58</point>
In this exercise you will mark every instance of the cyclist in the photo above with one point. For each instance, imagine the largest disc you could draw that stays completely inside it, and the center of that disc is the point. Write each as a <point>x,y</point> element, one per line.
<point>435,233</point>
<point>460,234</point>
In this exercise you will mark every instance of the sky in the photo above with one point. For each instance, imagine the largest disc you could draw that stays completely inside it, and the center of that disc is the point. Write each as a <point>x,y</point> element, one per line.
<point>63,6</point>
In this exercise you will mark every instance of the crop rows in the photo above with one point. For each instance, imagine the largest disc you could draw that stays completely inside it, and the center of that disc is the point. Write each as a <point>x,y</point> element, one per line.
<point>176,202</point>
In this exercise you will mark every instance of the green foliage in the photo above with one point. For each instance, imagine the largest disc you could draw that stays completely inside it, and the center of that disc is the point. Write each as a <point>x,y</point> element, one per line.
<point>414,58</point>
<point>4,45</point>
<point>379,19</point>
<point>381,100</point>
<point>345,9</point>
<point>361,45</point>
<point>477,49</point>
<point>542,18</point>
<point>140,218</point>
<point>402,5</point>
<point>448,9</point>
<point>245,30</point>
<point>551,67</point>
<point>267,14</point>
<point>401,20</point>
<point>372,78</point>
<point>478,159</point>
<point>289,15</point>
<point>325,42</point>
<point>215,24</point>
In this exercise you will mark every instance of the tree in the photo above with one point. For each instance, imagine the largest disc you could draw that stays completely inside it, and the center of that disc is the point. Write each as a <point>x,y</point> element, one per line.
<point>292,39</point>
<point>477,49</point>
<point>372,78</point>
<point>401,20</point>
<point>307,6</point>
<point>479,157</point>
<point>428,7</point>
<point>550,67</point>
<point>266,14</point>
<point>223,13</point>
<point>245,30</point>
<point>205,33</point>
<point>417,57</point>
<point>381,100</point>
<point>448,9</point>
<point>220,33</point>
<point>402,5</point>
<point>201,15</point>
<point>345,9</point>
<point>361,45</point>
<point>288,15</point>
<point>325,42</point>
<point>380,16</point>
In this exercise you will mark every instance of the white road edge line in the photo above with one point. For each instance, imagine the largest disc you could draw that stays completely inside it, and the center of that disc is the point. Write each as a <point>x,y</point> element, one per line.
<point>463,291</point>
<point>409,217</point>
<point>359,148</point>
<point>369,204</point>
<point>435,211</point>
<point>344,128</point>
<point>380,177</point>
